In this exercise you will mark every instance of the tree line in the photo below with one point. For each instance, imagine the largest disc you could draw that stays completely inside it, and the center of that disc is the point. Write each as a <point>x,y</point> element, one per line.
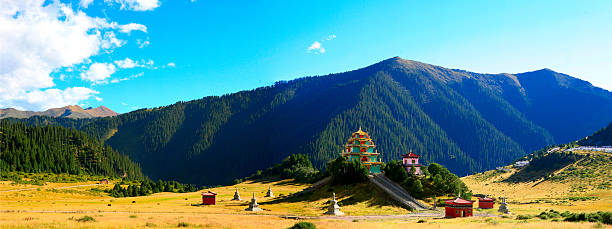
<point>56,149</point>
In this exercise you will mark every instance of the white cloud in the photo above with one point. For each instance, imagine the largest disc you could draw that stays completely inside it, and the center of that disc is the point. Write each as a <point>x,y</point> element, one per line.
<point>127,63</point>
<point>44,99</point>
<point>316,48</point>
<point>136,5</point>
<point>171,64</point>
<point>143,44</point>
<point>38,38</point>
<point>110,41</point>
<point>124,104</point>
<point>85,3</point>
<point>128,28</point>
<point>98,72</point>
<point>127,78</point>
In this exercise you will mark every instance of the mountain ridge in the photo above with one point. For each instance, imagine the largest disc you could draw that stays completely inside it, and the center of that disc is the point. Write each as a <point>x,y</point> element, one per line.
<point>468,122</point>
<point>70,111</point>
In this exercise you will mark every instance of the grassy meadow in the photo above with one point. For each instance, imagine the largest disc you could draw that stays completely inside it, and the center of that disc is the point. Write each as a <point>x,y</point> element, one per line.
<point>84,205</point>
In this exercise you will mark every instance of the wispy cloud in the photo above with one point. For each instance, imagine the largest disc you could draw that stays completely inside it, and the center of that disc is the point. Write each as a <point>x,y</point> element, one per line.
<point>142,44</point>
<point>127,78</point>
<point>317,47</point>
<point>136,5</point>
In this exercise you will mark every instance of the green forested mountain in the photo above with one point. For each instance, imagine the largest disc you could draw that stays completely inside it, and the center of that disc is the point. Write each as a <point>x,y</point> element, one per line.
<point>602,137</point>
<point>466,121</point>
<point>59,150</point>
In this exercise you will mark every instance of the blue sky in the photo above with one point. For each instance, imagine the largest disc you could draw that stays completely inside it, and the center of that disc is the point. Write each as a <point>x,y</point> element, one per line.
<point>194,49</point>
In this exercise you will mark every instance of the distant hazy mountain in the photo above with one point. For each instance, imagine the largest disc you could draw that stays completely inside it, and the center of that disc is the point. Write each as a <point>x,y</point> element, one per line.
<point>72,111</point>
<point>469,122</point>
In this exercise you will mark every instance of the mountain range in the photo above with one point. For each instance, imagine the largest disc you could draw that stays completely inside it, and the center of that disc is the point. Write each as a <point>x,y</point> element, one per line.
<point>468,122</point>
<point>71,111</point>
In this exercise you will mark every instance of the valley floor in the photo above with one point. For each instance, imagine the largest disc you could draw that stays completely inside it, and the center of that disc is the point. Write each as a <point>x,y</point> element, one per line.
<point>51,206</point>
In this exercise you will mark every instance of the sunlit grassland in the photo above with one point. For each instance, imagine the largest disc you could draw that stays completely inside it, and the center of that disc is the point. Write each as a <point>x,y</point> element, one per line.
<point>50,207</point>
<point>558,194</point>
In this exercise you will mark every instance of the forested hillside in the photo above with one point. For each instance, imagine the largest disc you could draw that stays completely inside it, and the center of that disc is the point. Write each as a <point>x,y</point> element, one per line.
<point>56,149</point>
<point>468,122</point>
<point>602,137</point>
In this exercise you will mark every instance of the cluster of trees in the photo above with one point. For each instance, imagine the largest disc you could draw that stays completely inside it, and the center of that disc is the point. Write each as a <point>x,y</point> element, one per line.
<point>344,171</point>
<point>437,181</point>
<point>296,166</point>
<point>55,149</point>
<point>147,187</point>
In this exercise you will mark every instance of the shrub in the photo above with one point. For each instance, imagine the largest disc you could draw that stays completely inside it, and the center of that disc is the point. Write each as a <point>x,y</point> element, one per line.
<point>604,217</point>
<point>303,225</point>
<point>183,224</point>
<point>523,217</point>
<point>86,219</point>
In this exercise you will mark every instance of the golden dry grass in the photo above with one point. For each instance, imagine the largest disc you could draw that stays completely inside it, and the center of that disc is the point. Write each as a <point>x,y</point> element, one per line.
<point>534,197</point>
<point>58,208</point>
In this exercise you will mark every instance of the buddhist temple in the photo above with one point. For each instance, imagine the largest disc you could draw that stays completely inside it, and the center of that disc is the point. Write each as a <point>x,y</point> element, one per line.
<point>485,202</point>
<point>209,198</point>
<point>410,161</point>
<point>360,147</point>
<point>458,208</point>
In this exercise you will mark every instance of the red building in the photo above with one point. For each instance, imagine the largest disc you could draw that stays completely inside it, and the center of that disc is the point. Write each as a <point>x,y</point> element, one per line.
<point>458,208</point>
<point>209,198</point>
<point>485,202</point>
<point>411,160</point>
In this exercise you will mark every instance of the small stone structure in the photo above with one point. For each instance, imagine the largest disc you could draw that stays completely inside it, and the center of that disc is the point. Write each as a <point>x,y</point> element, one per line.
<point>253,206</point>
<point>237,195</point>
<point>333,208</point>
<point>503,207</point>
<point>269,194</point>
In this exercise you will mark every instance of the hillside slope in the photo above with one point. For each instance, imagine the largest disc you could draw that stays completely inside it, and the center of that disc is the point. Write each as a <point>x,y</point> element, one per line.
<point>72,111</point>
<point>55,149</point>
<point>602,137</point>
<point>468,122</point>
<point>579,182</point>
<point>558,175</point>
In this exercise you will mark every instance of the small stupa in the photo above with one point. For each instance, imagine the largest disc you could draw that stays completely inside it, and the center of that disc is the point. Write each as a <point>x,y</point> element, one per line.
<point>253,206</point>
<point>269,194</point>
<point>503,207</point>
<point>333,208</point>
<point>237,195</point>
